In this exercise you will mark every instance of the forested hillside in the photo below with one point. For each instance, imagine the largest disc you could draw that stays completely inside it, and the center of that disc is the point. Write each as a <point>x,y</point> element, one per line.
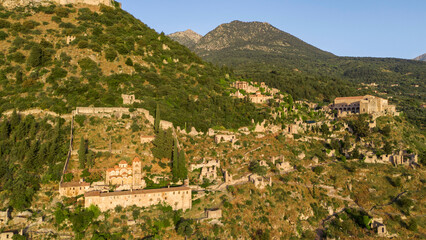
<point>264,53</point>
<point>58,58</point>
<point>32,151</point>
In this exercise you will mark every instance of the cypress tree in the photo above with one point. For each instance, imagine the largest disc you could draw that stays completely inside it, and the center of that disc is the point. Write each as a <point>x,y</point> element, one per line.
<point>82,153</point>
<point>175,163</point>
<point>183,171</point>
<point>157,119</point>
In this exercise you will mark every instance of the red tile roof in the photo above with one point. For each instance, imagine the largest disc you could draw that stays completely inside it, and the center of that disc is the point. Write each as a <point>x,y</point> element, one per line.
<point>74,184</point>
<point>144,191</point>
<point>348,98</point>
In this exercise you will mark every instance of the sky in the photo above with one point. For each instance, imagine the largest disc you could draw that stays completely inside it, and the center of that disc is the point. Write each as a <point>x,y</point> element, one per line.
<point>361,28</point>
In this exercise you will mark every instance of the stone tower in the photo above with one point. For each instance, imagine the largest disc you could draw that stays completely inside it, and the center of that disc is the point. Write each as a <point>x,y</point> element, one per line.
<point>137,173</point>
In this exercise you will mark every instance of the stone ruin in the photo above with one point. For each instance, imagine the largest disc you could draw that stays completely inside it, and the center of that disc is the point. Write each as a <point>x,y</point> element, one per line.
<point>208,169</point>
<point>281,165</point>
<point>4,217</point>
<point>399,158</point>
<point>259,181</point>
<point>70,39</point>
<point>294,128</point>
<point>129,99</point>
<point>213,213</point>
<point>218,138</point>
<point>227,177</point>
<point>377,224</point>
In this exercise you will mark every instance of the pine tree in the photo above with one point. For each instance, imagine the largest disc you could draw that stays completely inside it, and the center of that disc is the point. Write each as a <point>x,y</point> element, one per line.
<point>15,119</point>
<point>175,163</point>
<point>4,130</point>
<point>157,119</point>
<point>82,153</point>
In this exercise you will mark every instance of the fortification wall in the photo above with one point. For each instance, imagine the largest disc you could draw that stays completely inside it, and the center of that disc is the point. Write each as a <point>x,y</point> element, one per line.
<point>21,3</point>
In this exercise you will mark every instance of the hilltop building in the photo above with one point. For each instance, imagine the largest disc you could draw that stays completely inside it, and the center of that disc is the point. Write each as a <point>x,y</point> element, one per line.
<point>363,104</point>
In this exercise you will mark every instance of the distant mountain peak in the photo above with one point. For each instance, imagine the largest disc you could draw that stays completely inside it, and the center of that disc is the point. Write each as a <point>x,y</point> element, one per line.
<point>421,57</point>
<point>238,36</point>
<point>188,38</point>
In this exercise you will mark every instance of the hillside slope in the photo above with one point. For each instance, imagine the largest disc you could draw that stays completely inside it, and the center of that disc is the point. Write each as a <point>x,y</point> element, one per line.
<point>58,58</point>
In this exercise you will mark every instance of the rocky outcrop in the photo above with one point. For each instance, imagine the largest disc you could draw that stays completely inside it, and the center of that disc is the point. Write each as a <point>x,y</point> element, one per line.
<point>21,3</point>
<point>187,38</point>
<point>421,57</point>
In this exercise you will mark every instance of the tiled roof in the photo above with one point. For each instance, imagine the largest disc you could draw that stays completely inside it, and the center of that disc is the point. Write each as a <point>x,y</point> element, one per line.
<point>350,98</point>
<point>74,184</point>
<point>144,191</point>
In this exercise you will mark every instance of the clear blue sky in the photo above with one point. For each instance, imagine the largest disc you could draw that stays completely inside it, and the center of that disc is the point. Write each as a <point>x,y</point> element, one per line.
<point>375,28</point>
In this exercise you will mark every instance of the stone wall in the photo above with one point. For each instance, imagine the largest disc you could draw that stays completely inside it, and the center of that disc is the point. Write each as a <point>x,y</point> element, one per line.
<point>177,198</point>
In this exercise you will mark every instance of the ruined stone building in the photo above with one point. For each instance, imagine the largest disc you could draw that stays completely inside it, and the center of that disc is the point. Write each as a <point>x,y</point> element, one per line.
<point>6,235</point>
<point>227,176</point>
<point>124,174</point>
<point>225,138</point>
<point>379,226</point>
<point>294,128</point>
<point>238,94</point>
<point>399,158</point>
<point>208,169</point>
<point>260,98</point>
<point>4,217</point>
<point>209,172</point>
<point>176,197</point>
<point>73,189</point>
<point>363,104</point>
<point>129,99</point>
<point>209,163</point>
<point>213,213</point>
<point>259,181</point>
<point>70,39</point>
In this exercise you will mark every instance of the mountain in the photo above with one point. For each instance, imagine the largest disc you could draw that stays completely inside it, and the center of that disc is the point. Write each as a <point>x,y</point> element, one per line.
<point>187,38</point>
<point>61,57</point>
<point>261,52</point>
<point>248,39</point>
<point>421,57</point>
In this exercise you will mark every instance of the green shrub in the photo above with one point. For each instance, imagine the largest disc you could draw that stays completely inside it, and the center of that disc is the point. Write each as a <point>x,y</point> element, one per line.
<point>83,44</point>
<point>110,54</point>
<point>129,62</point>
<point>3,35</point>
<point>4,24</point>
